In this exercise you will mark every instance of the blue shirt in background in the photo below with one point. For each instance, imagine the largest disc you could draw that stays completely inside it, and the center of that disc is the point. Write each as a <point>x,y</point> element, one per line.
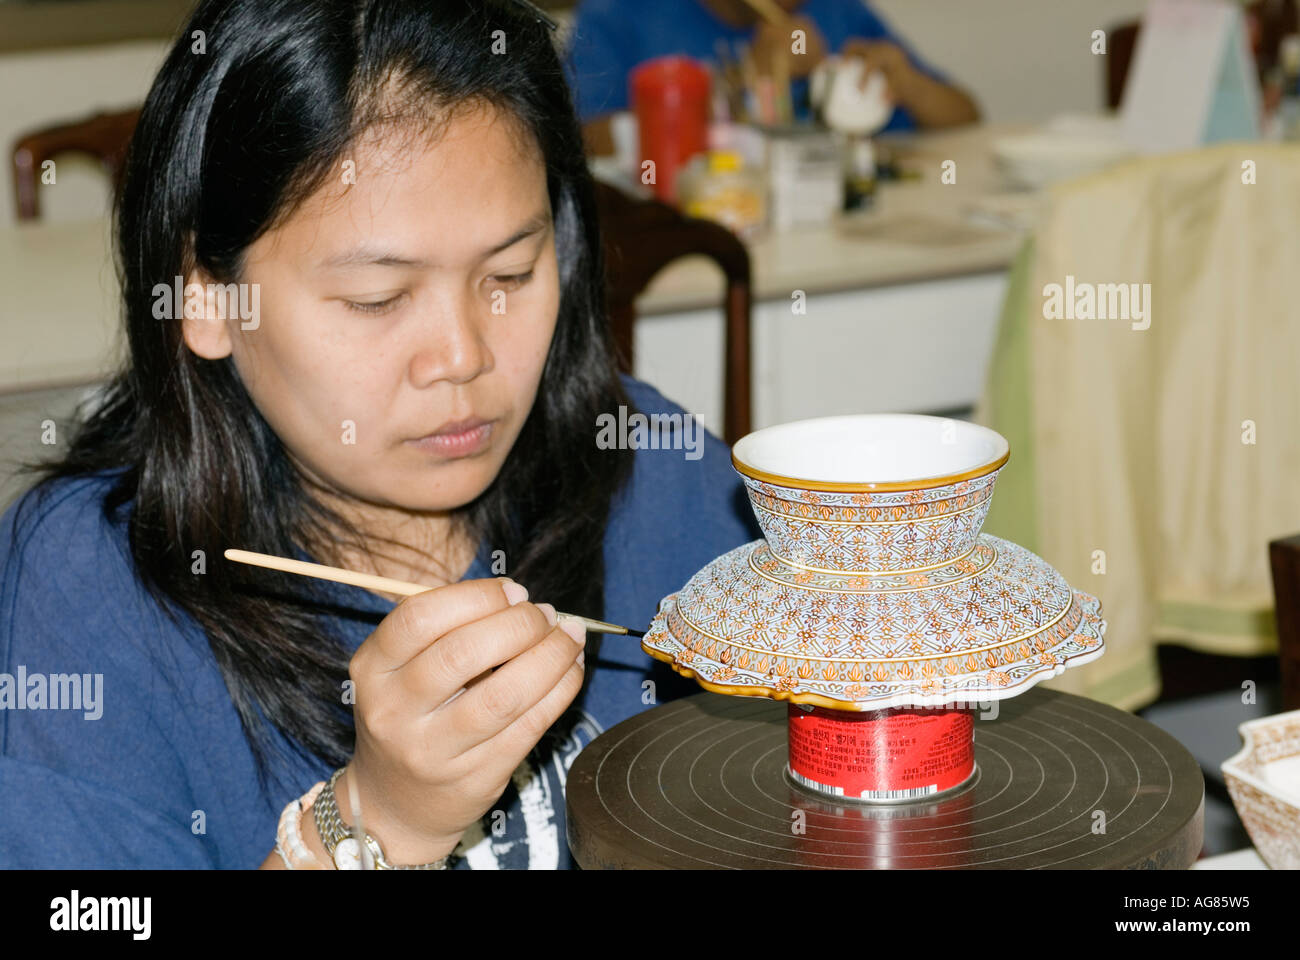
<point>611,37</point>
<point>159,774</point>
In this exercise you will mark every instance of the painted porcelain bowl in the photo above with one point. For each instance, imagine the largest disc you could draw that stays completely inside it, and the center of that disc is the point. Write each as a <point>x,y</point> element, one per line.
<point>1264,782</point>
<point>872,586</point>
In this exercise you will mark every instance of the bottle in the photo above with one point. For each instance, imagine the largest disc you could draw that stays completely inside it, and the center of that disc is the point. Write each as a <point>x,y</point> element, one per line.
<point>718,186</point>
<point>859,173</point>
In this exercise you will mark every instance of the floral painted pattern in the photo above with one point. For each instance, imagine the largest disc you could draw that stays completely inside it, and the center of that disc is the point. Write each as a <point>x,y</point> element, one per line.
<point>868,600</point>
<point>871,533</point>
<point>987,626</point>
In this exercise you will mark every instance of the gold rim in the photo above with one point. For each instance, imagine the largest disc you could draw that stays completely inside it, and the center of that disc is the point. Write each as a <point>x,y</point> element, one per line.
<point>817,700</point>
<point>828,486</point>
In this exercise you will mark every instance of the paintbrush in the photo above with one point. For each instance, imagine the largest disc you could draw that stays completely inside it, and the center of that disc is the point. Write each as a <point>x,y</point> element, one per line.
<point>749,77</point>
<point>386,585</point>
<point>769,10</point>
<point>733,84</point>
<point>780,109</point>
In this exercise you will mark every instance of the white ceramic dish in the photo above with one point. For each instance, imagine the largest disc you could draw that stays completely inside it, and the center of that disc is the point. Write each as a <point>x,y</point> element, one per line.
<point>1264,781</point>
<point>1067,147</point>
<point>872,586</point>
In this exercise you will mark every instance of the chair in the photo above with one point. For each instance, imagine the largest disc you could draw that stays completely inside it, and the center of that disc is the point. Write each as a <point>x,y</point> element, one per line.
<point>104,136</point>
<point>1276,18</point>
<point>1284,558</point>
<point>641,237</point>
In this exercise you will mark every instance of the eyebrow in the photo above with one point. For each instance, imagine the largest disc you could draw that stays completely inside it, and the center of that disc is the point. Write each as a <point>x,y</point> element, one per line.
<point>366,256</point>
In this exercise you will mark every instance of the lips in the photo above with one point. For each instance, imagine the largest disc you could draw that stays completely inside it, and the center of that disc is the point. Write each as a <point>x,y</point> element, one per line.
<point>460,438</point>
<point>457,427</point>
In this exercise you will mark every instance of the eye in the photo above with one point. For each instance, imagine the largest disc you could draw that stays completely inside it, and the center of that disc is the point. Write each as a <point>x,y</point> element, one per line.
<point>374,307</point>
<point>512,281</point>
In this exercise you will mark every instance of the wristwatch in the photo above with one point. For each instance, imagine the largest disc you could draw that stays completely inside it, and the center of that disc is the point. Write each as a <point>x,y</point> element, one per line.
<point>342,846</point>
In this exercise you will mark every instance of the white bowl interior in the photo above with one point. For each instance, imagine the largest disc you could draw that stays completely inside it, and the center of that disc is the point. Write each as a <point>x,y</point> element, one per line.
<point>1284,774</point>
<point>870,448</point>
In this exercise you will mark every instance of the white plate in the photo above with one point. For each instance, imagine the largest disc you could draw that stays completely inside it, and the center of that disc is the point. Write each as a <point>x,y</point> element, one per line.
<point>1069,146</point>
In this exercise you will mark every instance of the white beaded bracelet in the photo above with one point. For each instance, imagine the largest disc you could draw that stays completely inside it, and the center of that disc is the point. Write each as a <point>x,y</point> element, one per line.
<point>289,833</point>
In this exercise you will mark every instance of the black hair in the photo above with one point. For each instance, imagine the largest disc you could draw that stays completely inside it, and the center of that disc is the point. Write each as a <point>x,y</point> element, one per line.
<point>255,105</point>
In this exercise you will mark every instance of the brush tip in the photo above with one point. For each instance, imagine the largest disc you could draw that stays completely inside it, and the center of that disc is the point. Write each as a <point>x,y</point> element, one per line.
<point>639,634</point>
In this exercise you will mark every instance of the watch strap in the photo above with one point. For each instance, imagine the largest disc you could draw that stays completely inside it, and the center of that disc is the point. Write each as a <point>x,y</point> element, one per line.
<point>334,831</point>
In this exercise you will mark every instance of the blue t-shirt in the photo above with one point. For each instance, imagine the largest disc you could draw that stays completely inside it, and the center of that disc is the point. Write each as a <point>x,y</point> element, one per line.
<point>154,770</point>
<point>611,37</point>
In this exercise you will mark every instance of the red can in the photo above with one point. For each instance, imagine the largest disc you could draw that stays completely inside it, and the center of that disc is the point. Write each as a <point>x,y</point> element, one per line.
<point>882,755</point>
<point>670,96</point>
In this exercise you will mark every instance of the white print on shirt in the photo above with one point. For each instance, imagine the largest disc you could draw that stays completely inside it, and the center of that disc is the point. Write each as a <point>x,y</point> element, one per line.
<point>532,838</point>
<point>539,817</point>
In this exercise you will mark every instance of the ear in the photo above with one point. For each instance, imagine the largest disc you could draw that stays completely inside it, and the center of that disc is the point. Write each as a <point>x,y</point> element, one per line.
<point>203,321</point>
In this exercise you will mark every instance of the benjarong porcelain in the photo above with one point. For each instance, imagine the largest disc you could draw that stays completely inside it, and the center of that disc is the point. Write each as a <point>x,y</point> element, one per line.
<point>872,586</point>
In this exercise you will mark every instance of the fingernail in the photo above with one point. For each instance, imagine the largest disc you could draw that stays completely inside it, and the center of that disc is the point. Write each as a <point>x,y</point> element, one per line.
<point>574,628</point>
<point>515,592</point>
<point>548,611</point>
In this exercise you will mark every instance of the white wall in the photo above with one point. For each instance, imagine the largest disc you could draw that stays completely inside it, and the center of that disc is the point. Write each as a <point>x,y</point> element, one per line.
<point>851,352</point>
<point>1023,60</point>
<point>52,86</point>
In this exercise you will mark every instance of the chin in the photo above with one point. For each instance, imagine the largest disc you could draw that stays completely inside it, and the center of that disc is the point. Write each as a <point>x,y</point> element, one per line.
<point>449,486</point>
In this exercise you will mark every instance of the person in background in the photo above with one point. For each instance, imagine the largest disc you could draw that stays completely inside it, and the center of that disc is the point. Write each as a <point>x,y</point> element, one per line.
<point>611,37</point>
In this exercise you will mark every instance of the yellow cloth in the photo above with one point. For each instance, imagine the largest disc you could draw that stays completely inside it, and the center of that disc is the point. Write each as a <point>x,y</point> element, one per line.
<point>1135,443</point>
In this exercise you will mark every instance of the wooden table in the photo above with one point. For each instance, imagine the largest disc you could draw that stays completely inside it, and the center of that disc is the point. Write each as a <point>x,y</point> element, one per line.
<point>917,230</point>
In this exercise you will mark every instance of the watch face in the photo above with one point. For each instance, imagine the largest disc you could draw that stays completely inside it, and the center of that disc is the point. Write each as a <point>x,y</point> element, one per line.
<point>347,855</point>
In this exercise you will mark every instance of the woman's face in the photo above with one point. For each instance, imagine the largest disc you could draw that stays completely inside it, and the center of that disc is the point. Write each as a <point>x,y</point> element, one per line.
<point>416,291</point>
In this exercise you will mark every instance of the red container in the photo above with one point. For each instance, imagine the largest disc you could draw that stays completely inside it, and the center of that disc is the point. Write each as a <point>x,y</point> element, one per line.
<point>670,96</point>
<point>883,755</point>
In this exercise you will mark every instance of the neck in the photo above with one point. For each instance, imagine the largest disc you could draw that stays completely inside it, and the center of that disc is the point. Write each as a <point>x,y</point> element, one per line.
<point>431,548</point>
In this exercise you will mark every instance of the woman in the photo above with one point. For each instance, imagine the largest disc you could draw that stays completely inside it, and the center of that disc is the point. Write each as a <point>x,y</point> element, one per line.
<point>608,40</point>
<point>362,295</point>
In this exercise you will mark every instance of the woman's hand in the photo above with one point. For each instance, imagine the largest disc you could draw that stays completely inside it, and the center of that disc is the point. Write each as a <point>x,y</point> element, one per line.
<point>932,102</point>
<point>886,57</point>
<point>453,689</point>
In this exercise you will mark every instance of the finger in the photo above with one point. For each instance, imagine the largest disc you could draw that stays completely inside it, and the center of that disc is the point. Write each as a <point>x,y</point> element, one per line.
<point>479,679</point>
<point>870,64</point>
<point>433,676</point>
<point>872,55</point>
<point>511,692</point>
<point>521,736</point>
<point>858,48</point>
<point>418,621</point>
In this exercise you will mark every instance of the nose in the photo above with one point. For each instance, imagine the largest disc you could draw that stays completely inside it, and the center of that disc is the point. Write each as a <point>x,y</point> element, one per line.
<point>450,343</point>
